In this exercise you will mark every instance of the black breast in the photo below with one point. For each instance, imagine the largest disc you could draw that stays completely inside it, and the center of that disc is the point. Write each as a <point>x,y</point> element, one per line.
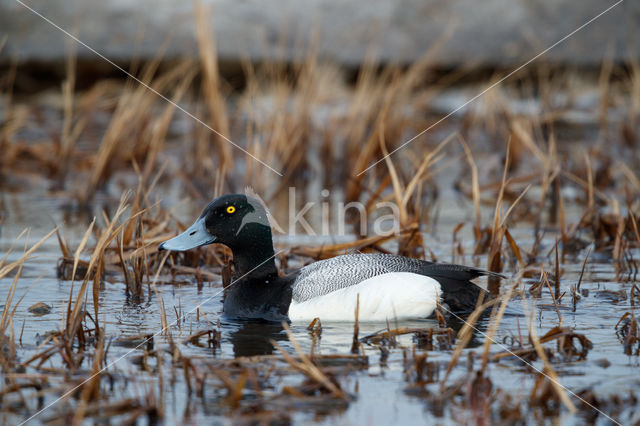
<point>266,298</point>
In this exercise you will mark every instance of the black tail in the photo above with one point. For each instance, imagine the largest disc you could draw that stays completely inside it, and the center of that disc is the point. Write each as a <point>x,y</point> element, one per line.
<point>458,291</point>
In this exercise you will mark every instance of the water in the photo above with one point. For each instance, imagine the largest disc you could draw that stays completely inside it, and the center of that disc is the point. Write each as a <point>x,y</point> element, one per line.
<point>381,392</point>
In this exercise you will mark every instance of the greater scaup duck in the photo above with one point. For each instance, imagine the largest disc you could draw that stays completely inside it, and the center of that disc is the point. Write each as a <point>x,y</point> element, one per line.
<point>388,286</point>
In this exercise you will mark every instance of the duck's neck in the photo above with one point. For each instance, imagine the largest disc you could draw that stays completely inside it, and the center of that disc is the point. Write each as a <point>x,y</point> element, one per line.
<point>255,257</point>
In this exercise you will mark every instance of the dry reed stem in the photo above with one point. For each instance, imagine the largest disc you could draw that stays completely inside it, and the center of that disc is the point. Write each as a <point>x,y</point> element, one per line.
<point>513,205</point>
<point>64,247</point>
<point>526,138</point>
<point>515,248</point>
<point>161,126</point>
<point>495,323</point>
<point>497,216</point>
<point>10,250</point>
<point>8,351</point>
<point>211,82</point>
<point>587,186</point>
<point>464,336</point>
<point>584,264</point>
<point>629,175</point>
<point>604,85</point>
<point>306,366</point>
<point>130,108</point>
<point>7,318</point>
<point>69,133</point>
<point>76,260</point>
<point>355,344</point>
<point>474,186</point>
<point>163,312</point>
<point>91,389</point>
<point>96,265</point>
<point>563,222</point>
<point>553,297</point>
<point>323,252</point>
<point>497,232</point>
<point>590,199</point>
<point>403,194</point>
<point>5,269</point>
<point>634,224</point>
<point>549,372</point>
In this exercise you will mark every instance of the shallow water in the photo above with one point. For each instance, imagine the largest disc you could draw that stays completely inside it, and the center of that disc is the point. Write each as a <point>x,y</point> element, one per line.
<point>380,391</point>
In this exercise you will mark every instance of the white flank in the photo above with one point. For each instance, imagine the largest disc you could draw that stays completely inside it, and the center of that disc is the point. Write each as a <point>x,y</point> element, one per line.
<point>395,295</point>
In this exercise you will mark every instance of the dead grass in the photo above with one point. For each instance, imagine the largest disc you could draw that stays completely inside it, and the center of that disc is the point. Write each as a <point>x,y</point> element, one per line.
<point>118,141</point>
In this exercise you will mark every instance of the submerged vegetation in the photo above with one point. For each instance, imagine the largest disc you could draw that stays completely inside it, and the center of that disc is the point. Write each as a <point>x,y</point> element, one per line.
<point>537,179</point>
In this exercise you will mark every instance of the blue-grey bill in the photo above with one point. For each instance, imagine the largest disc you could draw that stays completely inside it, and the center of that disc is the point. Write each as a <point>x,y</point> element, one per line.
<point>195,236</point>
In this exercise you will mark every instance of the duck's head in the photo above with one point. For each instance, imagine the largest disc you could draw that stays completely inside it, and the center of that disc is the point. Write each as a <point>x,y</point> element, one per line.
<point>235,220</point>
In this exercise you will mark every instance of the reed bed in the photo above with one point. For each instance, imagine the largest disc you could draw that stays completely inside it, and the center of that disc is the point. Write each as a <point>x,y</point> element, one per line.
<point>118,155</point>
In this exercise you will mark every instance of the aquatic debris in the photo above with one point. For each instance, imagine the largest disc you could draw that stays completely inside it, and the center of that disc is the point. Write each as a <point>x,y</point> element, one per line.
<point>628,331</point>
<point>423,336</point>
<point>39,308</point>
<point>213,340</point>
<point>64,269</point>
<point>317,379</point>
<point>571,345</point>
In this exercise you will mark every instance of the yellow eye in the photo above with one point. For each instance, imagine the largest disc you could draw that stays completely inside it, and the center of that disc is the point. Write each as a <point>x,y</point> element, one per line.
<point>231,209</point>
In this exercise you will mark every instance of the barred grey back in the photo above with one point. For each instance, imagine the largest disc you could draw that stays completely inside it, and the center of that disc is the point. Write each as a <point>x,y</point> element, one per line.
<point>325,276</point>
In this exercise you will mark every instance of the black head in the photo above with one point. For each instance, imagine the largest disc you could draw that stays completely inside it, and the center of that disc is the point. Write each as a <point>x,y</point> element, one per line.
<point>235,220</point>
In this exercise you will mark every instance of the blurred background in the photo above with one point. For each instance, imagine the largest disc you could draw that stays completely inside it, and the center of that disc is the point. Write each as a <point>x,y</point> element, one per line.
<point>233,61</point>
<point>456,33</point>
<point>303,89</point>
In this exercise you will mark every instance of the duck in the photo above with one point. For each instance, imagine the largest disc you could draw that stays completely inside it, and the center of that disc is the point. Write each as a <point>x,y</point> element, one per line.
<point>385,287</point>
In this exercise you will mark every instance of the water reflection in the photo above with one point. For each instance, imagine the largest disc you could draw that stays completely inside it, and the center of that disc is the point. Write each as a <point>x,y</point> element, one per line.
<point>479,328</point>
<point>249,338</point>
<point>254,338</point>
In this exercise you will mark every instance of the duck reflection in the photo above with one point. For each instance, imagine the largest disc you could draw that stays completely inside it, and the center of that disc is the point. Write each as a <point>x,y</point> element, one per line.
<point>254,338</point>
<point>250,338</point>
<point>456,322</point>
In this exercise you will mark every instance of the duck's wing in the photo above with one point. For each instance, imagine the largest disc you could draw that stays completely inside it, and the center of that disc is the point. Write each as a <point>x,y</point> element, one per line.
<point>325,276</point>
<point>459,293</point>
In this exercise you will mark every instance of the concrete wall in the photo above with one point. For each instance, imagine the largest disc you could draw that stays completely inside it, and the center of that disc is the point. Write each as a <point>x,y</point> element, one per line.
<point>491,32</point>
